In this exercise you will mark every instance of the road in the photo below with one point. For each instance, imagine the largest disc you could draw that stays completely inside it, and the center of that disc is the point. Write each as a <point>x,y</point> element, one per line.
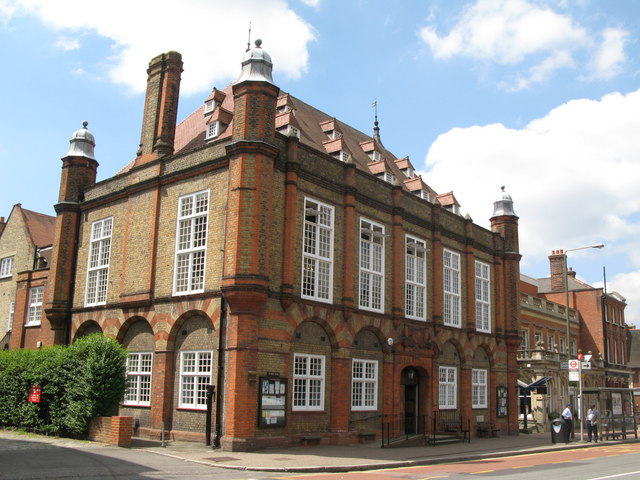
<point>611,462</point>
<point>38,458</point>
<point>42,458</point>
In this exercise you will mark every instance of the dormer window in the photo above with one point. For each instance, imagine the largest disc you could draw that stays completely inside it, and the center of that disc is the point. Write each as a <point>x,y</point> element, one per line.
<point>409,172</point>
<point>283,109</point>
<point>334,134</point>
<point>290,131</point>
<point>423,194</point>
<point>388,177</point>
<point>342,156</point>
<point>213,130</point>
<point>209,106</point>
<point>374,155</point>
<point>453,209</point>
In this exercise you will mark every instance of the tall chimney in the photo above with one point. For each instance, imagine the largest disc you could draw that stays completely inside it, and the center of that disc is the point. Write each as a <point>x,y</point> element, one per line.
<point>556,262</point>
<point>160,107</point>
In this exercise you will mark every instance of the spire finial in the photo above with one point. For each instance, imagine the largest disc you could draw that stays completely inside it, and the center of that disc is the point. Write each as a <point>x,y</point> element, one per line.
<point>376,129</point>
<point>249,39</point>
<point>85,124</point>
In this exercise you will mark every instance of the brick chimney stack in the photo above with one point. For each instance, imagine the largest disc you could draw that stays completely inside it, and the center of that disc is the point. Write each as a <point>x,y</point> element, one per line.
<point>556,262</point>
<point>160,107</point>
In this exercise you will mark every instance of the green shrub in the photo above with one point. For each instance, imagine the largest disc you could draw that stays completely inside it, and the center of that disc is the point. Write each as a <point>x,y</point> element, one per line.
<point>78,382</point>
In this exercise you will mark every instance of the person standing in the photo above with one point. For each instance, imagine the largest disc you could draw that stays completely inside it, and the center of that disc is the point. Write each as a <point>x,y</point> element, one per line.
<point>567,416</point>
<point>592,423</point>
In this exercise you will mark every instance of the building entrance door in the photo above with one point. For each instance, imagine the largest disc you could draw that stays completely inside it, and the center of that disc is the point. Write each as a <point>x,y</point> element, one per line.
<point>410,408</point>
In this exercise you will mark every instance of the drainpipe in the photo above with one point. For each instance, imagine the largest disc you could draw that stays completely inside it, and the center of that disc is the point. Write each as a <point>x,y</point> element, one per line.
<point>220,380</point>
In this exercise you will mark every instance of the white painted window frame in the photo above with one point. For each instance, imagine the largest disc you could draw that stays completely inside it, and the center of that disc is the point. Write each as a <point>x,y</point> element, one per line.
<point>447,388</point>
<point>98,262</point>
<point>139,368</point>
<point>34,311</point>
<point>479,388</point>
<point>191,243</point>
<point>318,251</point>
<point>364,385</point>
<point>308,382</point>
<point>6,266</point>
<point>195,378</point>
<point>415,292</point>
<point>483,296</point>
<point>371,266</point>
<point>451,279</point>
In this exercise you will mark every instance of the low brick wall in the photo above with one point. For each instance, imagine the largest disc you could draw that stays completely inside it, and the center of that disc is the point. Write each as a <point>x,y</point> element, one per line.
<point>111,430</point>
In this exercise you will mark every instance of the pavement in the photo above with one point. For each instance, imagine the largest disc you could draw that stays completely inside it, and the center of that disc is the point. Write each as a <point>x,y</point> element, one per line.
<point>342,458</point>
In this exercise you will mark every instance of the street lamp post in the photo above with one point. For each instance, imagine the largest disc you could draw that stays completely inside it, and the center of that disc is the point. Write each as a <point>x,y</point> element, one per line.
<point>566,296</point>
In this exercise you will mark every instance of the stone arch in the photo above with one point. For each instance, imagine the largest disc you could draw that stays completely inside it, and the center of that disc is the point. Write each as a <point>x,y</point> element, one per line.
<point>178,328</point>
<point>87,328</point>
<point>136,335</point>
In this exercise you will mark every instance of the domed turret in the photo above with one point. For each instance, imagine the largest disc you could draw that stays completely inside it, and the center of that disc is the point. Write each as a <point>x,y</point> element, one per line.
<point>256,65</point>
<point>503,205</point>
<point>82,143</point>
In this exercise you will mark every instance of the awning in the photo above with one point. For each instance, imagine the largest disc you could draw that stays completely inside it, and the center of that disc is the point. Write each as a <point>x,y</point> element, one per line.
<point>541,382</point>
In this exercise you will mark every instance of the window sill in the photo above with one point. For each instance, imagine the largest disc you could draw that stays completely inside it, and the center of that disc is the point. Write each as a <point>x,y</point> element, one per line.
<point>134,405</point>
<point>191,409</point>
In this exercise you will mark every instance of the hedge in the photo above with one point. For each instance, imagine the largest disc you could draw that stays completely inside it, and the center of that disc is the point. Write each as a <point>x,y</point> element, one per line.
<point>78,382</point>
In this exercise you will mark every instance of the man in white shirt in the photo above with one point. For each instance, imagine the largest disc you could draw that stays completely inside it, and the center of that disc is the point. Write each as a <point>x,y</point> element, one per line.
<point>567,416</point>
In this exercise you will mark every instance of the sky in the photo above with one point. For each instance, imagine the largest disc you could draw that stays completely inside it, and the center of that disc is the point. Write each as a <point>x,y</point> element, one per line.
<point>539,96</point>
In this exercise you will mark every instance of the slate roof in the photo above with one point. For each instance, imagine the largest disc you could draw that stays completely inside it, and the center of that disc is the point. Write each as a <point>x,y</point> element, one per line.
<point>41,227</point>
<point>190,134</point>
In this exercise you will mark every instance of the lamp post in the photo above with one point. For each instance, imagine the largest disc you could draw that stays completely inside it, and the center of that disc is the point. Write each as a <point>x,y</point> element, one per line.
<point>566,296</point>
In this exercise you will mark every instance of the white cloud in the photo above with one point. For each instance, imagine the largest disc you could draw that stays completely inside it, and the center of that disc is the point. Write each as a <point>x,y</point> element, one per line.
<point>529,35</point>
<point>67,44</point>
<point>609,58</point>
<point>573,175</point>
<point>312,3</point>
<point>204,32</point>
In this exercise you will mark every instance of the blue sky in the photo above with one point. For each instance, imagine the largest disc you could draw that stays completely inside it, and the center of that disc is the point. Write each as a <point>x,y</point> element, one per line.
<point>542,96</point>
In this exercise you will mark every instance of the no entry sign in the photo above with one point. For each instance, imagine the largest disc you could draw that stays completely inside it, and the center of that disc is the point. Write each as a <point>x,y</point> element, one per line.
<point>574,364</point>
<point>34,394</point>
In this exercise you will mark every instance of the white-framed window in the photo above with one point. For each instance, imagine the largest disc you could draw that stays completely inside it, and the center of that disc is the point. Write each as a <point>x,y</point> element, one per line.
<point>334,134</point>
<point>371,266</point>
<point>389,178</point>
<point>308,382</point>
<point>317,251</point>
<point>290,131</point>
<point>98,265</point>
<point>191,243</point>
<point>447,387</point>
<point>195,378</point>
<point>563,345</point>
<point>451,280</point>
<point>483,297</point>
<point>342,156</point>
<point>524,344</point>
<point>423,194</point>
<point>478,388</point>
<point>550,342</point>
<point>374,155</point>
<point>34,312</point>
<point>209,106</point>
<point>12,311</point>
<point>6,267</point>
<point>364,384</point>
<point>213,130</point>
<point>537,339</point>
<point>139,369</point>
<point>415,292</point>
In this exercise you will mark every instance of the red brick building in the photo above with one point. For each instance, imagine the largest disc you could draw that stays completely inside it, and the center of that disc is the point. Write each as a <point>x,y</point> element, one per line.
<point>290,261</point>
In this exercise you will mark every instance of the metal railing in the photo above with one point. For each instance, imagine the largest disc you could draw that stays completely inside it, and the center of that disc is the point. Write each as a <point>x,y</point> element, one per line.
<point>450,423</point>
<point>400,428</point>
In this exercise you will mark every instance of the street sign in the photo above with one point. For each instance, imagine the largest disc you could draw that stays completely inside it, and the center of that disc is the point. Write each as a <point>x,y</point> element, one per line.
<point>564,365</point>
<point>586,365</point>
<point>574,365</point>
<point>574,376</point>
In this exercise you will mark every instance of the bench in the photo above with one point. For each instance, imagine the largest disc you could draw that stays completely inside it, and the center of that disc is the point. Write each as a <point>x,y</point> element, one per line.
<point>486,429</point>
<point>309,441</point>
<point>456,426</point>
<point>615,436</point>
